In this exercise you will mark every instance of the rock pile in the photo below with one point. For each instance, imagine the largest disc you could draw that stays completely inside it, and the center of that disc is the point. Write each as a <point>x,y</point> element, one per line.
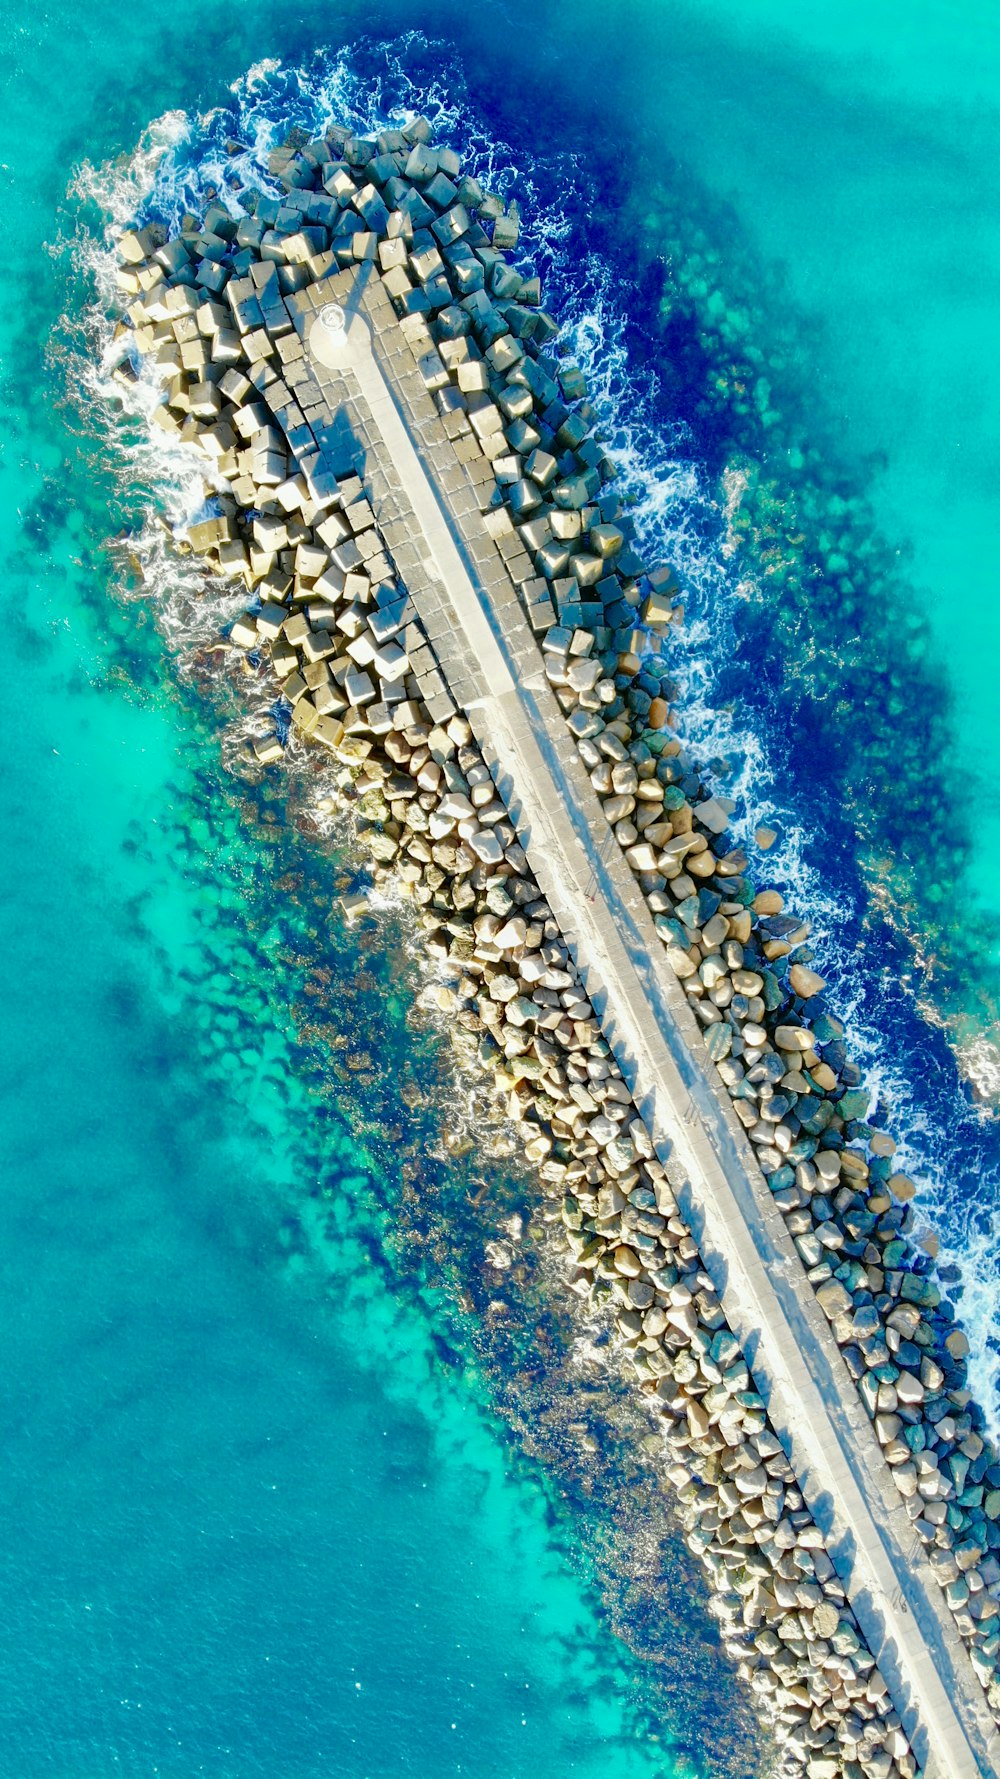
<point>209,310</point>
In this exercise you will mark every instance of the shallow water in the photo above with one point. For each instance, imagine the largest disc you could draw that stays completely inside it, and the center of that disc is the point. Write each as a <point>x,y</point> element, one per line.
<point>260,1510</point>
<point>266,1513</point>
<point>807,671</point>
<point>278,1500</point>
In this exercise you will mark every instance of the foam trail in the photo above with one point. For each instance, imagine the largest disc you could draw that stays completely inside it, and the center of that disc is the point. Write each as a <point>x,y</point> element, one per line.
<point>947,1141</point>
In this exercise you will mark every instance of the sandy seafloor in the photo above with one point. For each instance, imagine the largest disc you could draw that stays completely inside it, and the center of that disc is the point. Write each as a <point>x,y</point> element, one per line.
<point>294,1480</point>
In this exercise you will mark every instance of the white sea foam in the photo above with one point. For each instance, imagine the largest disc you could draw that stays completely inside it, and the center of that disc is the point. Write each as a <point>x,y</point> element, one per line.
<point>678,519</point>
<point>679,522</point>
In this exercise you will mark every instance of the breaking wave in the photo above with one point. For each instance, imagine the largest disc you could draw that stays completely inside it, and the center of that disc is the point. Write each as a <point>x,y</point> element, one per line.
<point>934,1089</point>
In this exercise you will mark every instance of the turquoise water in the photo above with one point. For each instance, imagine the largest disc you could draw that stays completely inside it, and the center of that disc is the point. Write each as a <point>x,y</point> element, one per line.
<point>258,1512</point>
<point>279,1495</point>
<point>856,146</point>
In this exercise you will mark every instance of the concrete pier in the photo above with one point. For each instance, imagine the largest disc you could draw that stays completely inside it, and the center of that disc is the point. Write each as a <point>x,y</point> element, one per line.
<point>491,663</point>
<point>446,597</point>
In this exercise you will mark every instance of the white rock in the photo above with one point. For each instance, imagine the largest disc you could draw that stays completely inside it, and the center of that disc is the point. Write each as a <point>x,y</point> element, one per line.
<point>391,662</point>
<point>603,1130</point>
<point>512,934</point>
<point>641,857</point>
<point>358,689</point>
<point>486,847</point>
<point>532,967</point>
<point>583,675</point>
<point>714,814</point>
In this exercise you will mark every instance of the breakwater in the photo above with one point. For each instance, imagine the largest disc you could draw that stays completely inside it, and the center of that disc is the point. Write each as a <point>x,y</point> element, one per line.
<point>345,613</point>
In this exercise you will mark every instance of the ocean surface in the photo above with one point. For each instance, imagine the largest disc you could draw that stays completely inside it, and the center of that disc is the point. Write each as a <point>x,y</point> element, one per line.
<point>294,1479</point>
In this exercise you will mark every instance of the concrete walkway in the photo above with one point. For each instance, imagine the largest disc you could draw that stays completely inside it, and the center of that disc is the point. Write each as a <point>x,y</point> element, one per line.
<point>455,573</point>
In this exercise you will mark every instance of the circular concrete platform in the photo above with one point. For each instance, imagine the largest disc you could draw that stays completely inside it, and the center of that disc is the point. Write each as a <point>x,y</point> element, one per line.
<point>337,336</point>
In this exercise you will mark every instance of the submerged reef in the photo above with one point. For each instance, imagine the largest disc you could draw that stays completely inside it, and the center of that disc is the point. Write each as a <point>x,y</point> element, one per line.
<point>334,647</point>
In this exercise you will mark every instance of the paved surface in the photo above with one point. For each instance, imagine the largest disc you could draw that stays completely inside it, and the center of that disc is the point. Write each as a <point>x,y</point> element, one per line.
<point>425,501</point>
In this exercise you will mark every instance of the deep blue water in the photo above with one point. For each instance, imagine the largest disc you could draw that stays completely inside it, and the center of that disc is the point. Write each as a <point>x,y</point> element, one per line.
<point>277,1498</point>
